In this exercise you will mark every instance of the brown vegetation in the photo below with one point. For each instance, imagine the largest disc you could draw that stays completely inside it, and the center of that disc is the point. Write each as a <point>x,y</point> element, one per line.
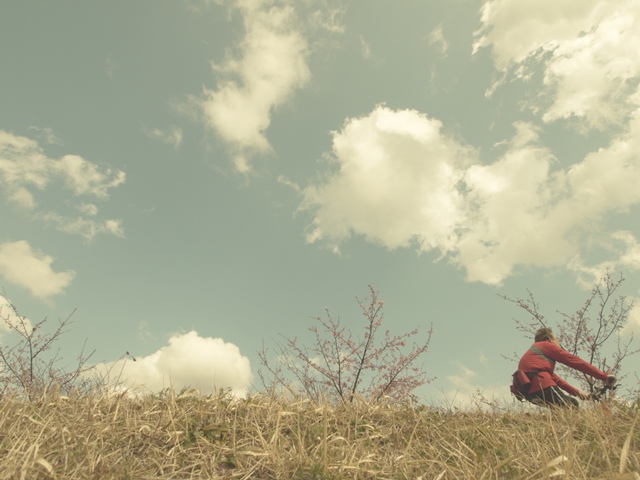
<point>171,436</point>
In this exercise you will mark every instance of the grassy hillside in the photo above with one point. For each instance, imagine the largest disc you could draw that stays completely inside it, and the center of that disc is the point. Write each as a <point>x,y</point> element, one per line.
<point>102,436</point>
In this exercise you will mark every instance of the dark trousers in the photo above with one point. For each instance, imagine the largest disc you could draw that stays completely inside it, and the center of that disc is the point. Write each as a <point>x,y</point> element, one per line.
<point>552,397</point>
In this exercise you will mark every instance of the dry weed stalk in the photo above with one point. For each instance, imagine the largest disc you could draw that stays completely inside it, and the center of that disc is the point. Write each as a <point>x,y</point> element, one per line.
<point>173,436</point>
<point>28,366</point>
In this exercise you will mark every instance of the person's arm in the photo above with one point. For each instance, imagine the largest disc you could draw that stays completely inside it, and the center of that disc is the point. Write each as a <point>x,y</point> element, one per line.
<point>567,387</point>
<point>559,354</point>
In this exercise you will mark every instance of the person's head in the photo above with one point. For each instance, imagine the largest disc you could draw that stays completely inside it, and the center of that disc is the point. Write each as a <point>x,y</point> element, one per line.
<point>545,334</point>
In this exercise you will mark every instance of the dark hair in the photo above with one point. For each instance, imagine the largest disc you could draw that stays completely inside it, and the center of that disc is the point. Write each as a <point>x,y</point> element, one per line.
<point>544,334</point>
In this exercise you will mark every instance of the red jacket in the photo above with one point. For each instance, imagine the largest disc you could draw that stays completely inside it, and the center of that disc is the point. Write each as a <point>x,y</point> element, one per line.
<point>542,357</point>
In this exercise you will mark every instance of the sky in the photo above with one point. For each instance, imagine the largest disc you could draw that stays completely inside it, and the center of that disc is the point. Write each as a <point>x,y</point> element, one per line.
<point>195,178</point>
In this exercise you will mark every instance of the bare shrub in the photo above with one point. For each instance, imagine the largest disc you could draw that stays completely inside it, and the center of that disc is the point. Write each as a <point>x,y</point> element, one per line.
<point>339,365</point>
<point>28,367</point>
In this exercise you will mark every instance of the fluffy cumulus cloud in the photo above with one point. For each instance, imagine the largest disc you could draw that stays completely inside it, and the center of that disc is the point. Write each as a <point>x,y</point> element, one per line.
<point>587,50</point>
<point>25,171</point>
<point>28,268</point>
<point>270,65</point>
<point>508,203</point>
<point>394,182</point>
<point>398,180</point>
<point>189,360</point>
<point>527,213</point>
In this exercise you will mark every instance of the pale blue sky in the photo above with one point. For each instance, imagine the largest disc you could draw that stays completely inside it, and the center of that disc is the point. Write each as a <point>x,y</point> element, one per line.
<point>234,167</point>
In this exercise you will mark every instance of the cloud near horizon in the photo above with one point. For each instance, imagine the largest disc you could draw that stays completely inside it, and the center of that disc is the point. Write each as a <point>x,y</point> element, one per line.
<point>464,391</point>
<point>188,361</point>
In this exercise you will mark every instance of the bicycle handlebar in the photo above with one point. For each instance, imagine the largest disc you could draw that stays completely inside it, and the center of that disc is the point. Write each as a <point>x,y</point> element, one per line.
<point>596,396</point>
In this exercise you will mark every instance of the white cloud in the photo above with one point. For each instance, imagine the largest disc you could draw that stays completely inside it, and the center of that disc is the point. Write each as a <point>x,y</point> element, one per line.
<point>527,213</point>
<point>145,332</point>
<point>272,64</point>
<point>508,202</point>
<point>48,134</point>
<point>463,380</point>
<point>365,47</point>
<point>86,178</point>
<point>88,209</point>
<point>516,30</point>
<point>325,15</point>
<point>25,169</point>
<point>464,392</point>
<point>484,360</point>
<point>31,269</point>
<point>203,363</point>
<point>438,40</point>
<point>6,311</point>
<point>398,180</point>
<point>633,323</point>
<point>587,50</point>
<point>22,197</point>
<point>173,136</point>
<point>394,183</point>
<point>10,319</point>
<point>85,227</point>
<point>23,163</point>
<point>607,179</point>
<point>624,249</point>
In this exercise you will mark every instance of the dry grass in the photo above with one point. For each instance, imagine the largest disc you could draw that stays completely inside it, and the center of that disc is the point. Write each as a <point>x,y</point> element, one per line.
<point>104,436</point>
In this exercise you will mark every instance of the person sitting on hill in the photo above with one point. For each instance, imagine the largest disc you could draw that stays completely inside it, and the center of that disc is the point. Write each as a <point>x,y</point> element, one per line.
<point>538,364</point>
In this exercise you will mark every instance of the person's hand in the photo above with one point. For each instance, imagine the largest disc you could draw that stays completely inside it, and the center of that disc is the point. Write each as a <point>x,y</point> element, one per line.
<point>611,380</point>
<point>584,396</point>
